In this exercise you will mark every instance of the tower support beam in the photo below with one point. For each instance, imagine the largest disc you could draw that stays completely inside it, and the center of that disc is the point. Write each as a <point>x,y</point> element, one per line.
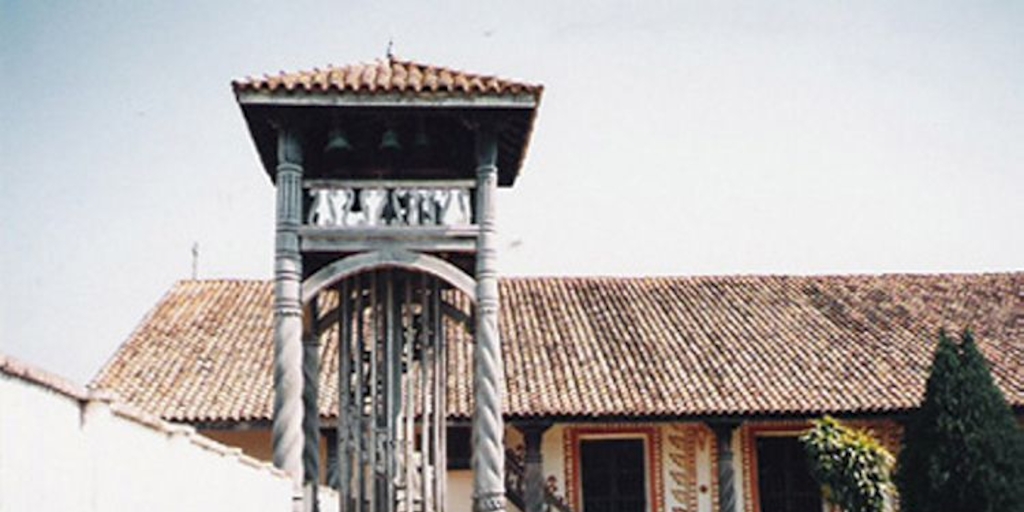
<point>488,457</point>
<point>288,381</point>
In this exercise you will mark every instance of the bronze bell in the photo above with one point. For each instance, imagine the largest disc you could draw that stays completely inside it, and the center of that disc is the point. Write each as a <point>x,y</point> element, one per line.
<point>389,141</point>
<point>421,141</point>
<point>337,142</point>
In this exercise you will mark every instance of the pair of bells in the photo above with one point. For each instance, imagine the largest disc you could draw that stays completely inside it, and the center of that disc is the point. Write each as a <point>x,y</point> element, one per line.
<point>337,141</point>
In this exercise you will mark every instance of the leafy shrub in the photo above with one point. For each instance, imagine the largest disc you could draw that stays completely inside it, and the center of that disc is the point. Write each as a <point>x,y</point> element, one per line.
<point>852,467</point>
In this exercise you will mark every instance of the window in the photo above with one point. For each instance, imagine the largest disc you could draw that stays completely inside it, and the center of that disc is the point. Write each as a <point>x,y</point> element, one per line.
<point>459,449</point>
<point>613,469</point>
<point>612,474</point>
<point>784,482</point>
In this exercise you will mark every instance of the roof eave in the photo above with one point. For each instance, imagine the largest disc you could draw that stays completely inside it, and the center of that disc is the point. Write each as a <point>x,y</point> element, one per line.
<point>524,100</point>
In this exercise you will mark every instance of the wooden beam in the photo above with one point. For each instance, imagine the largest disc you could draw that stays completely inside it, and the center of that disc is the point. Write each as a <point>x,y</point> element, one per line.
<point>523,101</point>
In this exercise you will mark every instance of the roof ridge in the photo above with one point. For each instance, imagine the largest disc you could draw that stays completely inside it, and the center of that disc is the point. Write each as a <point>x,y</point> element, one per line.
<point>387,75</point>
<point>142,323</point>
<point>767,275</point>
<point>674,277</point>
<point>224,280</point>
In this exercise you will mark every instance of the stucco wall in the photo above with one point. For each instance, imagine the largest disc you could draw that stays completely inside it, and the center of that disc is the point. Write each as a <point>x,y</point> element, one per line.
<point>62,452</point>
<point>254,443</point>
<point>686,453</point>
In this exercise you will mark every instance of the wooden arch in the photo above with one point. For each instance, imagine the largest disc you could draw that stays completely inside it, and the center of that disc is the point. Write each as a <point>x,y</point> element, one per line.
<point>393,258</point>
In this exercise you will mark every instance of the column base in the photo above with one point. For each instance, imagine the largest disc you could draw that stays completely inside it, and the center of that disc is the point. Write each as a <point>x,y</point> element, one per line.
<point>491,502</point>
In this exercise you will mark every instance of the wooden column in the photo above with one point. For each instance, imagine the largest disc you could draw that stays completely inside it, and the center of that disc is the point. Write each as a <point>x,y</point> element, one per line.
<point>287,433</point>
<point>488,458</point>
<point>726,470</point>
<point>310,407</point>
<point>533,485</point>
<point>333,463</point>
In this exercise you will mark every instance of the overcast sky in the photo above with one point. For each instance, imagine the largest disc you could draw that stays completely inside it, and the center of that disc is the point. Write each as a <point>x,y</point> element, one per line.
<point>673,138</point>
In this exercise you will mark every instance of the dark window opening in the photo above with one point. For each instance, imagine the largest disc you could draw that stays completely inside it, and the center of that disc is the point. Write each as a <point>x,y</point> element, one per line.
<point>612,474</point>
<point>459,449</point>
<point>784,480</point>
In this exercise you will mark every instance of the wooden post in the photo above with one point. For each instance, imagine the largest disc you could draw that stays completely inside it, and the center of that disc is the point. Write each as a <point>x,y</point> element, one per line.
<point>440,460</point>
<point>311,409</point>
<point>333,477</point>
<point>726,471</point>
<point>346,421</point>
<point>488,458</point>
<point>533,486</point>
<point>287,431</point>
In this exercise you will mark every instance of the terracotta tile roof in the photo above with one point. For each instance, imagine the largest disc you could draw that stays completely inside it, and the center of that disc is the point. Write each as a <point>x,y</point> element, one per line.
<point>35,375</point>
<point>387,76</point>
<point>624,347</point>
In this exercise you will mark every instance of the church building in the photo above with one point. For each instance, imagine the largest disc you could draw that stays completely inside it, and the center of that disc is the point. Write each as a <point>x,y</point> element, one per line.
<point>389,360</point>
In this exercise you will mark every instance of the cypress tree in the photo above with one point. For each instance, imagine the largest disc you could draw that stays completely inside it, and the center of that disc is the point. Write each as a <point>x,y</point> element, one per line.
<point>962,450</point>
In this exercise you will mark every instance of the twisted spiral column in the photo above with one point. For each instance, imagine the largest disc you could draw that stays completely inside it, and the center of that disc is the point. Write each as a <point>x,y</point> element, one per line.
<point>726,470</point>
<point>488,457</point>
<point>287,431</point>
<point>310,399</point>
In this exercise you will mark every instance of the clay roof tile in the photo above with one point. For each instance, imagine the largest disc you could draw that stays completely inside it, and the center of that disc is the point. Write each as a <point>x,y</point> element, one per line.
<point>386,76</point>
<point>625,347</point>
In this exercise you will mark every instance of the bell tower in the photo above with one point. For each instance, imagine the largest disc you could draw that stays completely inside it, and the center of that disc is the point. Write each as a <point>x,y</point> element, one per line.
<point>386,176</point>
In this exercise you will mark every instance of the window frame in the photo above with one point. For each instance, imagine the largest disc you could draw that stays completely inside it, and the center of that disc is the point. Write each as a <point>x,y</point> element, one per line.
<point>651,437</point>
<point>750,447</point>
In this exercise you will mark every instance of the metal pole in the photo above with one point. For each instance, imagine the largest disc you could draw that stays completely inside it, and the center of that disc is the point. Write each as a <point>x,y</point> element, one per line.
<point>389,411</point>
<point>345,409</point>
<point>440,397</point>
<point>360,459</point>
<point>408,392</point>
<point>374,399</point>
<point>426,329</point>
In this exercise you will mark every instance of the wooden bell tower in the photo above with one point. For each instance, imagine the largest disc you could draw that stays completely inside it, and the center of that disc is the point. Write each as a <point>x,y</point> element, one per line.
<point>386,176</point>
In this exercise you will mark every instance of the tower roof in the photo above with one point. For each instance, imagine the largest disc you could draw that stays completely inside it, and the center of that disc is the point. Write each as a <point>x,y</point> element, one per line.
<point>389,76</point>
<point>393,93</point>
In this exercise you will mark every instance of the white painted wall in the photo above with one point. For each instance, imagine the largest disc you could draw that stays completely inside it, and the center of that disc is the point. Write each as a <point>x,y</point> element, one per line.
<point>552,448</point>
<point>459,495</point>
<point>61,452</point>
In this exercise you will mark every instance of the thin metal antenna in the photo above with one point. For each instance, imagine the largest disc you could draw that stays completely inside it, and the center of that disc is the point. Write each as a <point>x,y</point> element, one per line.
<point>195,260</point>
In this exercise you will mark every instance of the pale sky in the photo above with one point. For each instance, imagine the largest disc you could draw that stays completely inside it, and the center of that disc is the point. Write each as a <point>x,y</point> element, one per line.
<point>673,138</point>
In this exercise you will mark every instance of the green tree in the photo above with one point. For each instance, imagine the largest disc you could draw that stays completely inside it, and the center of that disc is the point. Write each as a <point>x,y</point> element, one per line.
<point>852,467</point>
<point>962,449</point>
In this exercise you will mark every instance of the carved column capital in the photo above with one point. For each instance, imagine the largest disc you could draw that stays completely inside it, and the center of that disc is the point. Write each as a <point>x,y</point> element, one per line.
<point>486,147</point>
<point>289,147</point>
